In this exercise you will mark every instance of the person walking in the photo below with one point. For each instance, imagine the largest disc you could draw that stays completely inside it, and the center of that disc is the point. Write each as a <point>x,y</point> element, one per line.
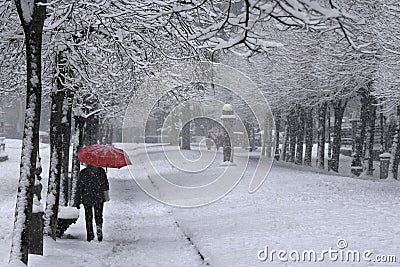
<point>209,142</point>
<point>92,192</point>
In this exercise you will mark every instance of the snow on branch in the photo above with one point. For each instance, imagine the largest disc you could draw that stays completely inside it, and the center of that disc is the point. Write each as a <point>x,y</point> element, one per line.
<point>27,7</point>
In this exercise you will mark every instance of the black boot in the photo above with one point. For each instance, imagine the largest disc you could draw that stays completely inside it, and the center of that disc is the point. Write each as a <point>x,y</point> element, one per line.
<point>99,233</point>
<point>90,237</point>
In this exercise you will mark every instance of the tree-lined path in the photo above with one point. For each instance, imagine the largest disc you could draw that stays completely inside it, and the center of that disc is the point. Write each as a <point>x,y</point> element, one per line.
<point>294,209</point>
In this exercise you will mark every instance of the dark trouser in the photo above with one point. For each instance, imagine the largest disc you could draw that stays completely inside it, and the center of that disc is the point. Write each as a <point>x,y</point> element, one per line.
<point>98,217</point>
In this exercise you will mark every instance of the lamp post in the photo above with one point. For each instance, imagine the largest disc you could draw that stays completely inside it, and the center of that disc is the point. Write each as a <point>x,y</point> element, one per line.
<point>228,119</point>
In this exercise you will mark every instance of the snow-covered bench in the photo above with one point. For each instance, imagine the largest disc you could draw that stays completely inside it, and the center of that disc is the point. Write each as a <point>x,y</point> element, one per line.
<point>66,217</point>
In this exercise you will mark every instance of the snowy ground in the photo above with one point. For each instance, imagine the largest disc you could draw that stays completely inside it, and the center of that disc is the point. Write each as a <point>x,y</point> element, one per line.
<point>295,209</point>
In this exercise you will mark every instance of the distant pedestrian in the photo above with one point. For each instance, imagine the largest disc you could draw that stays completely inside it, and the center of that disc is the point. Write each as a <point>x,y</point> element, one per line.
<point>209,142</point>
<point>92,192</point>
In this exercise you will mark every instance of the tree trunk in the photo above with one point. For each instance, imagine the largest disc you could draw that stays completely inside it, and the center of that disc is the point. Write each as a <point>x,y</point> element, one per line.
<point>227,147</point>
<point>253,137</point>
<point>371,137</point>
<point>186,128</point>
<point>268,136</point>
<point>329,131</point>
<point>277,130</point>
<point>321,135</point>
<point>107,132</point>
<point>102,131</point>
<point>56,162</point>
<point>66,124</point>
<point>309,136</point>
<point>382,124</point>
<point>173,135</point>
<point>364,118</point>
<point>33,28</point>
<point>285,141</point>
<point>391,127</point>
<point>264,138</point>
<point>186,136</point>
<point>78,138</point>
<point>338,107</point>
<point>357,149</point>
<point>63,72</point>
<point>110,134</point>
<point>292,137</point>
<point>300,136</point>
<point>92,130</point>
<point>395,158</point>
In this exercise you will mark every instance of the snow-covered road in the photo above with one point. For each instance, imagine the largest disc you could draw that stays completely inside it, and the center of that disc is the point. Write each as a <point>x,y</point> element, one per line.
<point>300,211</point>
<point>295,210</point>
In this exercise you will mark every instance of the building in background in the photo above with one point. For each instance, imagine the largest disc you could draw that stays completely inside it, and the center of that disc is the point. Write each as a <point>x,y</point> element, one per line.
<point>13,119</point>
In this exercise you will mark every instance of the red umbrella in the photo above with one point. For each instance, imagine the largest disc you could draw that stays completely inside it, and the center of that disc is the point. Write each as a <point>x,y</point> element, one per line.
<point>213,130</point>
<point>104,156</point>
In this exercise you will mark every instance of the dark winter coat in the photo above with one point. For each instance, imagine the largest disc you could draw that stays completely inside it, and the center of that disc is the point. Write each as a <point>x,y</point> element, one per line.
<point>91,185</point>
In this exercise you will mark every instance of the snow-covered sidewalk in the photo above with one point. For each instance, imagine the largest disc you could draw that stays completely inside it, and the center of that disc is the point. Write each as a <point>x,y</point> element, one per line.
<point>138,231</point>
